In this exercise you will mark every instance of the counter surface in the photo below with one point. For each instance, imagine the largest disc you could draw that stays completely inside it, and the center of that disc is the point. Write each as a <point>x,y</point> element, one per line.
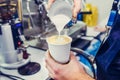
<point>37,55</point>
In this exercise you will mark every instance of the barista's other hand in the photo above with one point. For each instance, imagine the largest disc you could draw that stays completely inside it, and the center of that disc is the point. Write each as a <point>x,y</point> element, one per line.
<point>70,71</point>
<point>100,29</point>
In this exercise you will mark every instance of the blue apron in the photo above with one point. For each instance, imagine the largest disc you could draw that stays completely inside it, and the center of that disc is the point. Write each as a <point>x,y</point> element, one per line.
<point>108,56</point>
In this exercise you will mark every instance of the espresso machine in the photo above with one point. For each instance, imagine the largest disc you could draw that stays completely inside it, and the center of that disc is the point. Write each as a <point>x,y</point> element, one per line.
<point>12,52</point>
<point>38,26</point>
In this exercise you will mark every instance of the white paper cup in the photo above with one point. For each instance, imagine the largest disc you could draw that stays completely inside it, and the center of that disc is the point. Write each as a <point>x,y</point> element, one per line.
<point>60,51</point>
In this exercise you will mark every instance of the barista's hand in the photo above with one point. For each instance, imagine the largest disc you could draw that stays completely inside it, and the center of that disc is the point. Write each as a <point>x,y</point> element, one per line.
<point>50,2</point>
<point>75,10</point>
<point>71,71</point>
<point>100,29</point>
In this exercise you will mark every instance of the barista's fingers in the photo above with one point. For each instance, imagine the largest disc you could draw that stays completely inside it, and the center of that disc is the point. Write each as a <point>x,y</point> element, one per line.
<point>74,14</point>
<point>50,2</point>
<point>51,63</point>
<point>76,8</point>
<point>49,69</point>
<point>51,76</point>
<point>51,72</point>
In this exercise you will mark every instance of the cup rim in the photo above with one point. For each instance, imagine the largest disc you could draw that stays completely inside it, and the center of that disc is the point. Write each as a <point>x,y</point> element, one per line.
<point>59,44</point>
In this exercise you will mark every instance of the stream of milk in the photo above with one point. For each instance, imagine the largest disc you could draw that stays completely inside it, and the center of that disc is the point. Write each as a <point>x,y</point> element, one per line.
<point>60,21</point>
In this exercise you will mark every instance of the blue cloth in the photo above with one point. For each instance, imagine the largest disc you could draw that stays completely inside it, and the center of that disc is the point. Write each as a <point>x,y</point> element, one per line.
<point>111,17</point>
<point>113,13</point>
<point>91,50</point>
<point>108,56</point>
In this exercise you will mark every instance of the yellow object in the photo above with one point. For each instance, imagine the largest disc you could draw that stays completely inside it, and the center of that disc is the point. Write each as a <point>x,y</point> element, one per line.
<point>19,9</point>
<point>91,19</point>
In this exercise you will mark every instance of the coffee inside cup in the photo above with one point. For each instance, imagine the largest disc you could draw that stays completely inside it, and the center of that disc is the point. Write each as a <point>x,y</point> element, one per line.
<point>59,39</point>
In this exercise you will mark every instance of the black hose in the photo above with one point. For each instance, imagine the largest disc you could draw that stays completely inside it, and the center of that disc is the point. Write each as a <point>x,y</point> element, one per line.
<point>11,76</point>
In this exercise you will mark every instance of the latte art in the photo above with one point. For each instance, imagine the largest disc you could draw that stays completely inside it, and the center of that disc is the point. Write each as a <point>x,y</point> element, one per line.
<point>59,39</point>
